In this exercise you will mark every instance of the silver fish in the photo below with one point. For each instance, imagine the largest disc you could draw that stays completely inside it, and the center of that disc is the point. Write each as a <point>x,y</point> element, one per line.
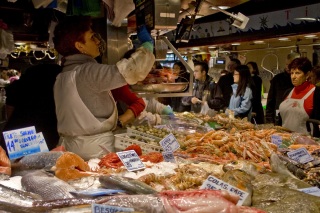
<point>46,185</point>
<point>140,203</point>
<point>13,197</point>
<point>16,201</point>
<point>130,185</point>
<point>30,163</point>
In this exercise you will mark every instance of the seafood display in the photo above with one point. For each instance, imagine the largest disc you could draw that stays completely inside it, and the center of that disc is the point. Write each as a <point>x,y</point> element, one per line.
<point>240,155</point>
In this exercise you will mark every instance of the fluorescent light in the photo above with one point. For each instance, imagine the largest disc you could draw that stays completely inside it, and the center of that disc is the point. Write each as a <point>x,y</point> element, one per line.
<point>220,7</point>
<point>235,44</point>
<point>310,36</point>
<point>284,39</point>
<point>19,43</point>
<point>305,19</point>
<point>258,42</point>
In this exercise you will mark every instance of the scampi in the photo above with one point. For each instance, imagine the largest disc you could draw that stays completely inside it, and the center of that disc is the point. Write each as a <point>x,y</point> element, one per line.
<point>46,185</point>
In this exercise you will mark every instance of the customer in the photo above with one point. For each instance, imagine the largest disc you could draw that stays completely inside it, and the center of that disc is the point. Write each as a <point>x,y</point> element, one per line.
<point>257,109</point>
<point>201,87</point>
<point>241,99</point>
<point>226,81</point>
<point>86,110</point>
<point>301,102</point>
<point>39,110</point>
<point>314,76</point>
<point>181,74</point>
<point>279,84</point>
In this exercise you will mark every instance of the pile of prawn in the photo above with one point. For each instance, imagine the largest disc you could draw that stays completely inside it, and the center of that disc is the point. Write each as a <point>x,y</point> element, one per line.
<point>222,146</point>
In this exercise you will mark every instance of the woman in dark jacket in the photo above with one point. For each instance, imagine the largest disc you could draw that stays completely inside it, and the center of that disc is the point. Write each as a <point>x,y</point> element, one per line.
<point>257,109</point>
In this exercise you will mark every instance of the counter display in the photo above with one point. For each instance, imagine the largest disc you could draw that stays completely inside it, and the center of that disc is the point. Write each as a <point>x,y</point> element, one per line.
<point>238,167</point>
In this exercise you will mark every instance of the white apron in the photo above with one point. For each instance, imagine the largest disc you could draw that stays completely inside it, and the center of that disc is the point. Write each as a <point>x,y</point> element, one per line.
<point>80,131</point>
<point>293,114</point>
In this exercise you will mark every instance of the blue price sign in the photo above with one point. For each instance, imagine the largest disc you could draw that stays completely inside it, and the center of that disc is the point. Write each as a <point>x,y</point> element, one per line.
<point>168,157</point>
<point>25,141</point>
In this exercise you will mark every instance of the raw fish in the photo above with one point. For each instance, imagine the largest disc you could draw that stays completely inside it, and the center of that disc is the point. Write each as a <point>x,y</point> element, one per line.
<point>46,185</point>
<point>130,185</point>
<point>30,163</point>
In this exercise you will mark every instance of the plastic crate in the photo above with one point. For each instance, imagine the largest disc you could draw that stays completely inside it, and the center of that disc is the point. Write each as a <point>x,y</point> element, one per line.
<point>122,141</point>
<point>136,132</point>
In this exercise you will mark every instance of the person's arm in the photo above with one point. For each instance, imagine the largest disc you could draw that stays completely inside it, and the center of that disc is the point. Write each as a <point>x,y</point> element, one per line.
<point>215,98</point>
<point>135,104</point>
<point>271,102</point>
<point>245,104</point>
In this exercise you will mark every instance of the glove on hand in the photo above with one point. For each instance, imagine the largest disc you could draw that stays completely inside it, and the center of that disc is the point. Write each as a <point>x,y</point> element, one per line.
<point>168,111</point>
<point>144,35</point>
<point>145,38</point>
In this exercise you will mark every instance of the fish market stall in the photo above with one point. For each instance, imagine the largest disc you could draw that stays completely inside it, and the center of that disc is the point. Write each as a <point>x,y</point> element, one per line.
<point>173,167</point>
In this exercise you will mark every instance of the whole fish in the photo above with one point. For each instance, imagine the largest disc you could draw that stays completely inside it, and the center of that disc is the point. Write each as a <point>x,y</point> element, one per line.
<point>130,185</point>
<point>46,185</point>
<point>30,163</point>
<point>16,201</point>
<point>275,199</point>
<point>293,166</point>
<point>278,166</point>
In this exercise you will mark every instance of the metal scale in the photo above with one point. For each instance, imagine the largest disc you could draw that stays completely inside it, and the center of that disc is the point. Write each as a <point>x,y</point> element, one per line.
<point>160,17</point>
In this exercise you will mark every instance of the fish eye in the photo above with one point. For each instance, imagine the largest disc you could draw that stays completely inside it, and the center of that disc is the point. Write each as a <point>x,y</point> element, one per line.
<point>234,162</point>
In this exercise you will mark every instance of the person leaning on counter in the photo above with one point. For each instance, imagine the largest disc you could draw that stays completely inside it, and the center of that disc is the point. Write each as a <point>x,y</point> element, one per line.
<point>86,111</point>
<point>303,101</point>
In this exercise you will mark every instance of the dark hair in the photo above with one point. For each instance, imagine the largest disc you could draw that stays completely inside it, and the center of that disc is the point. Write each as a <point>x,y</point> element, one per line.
<point>316,71</point>
<point>204,66</point>
<point>237,61</point>
<point>303,64</point>
<point>255,67</point>
<point>182,67</point>
<point>245,79</point>
<point>224,72</point>
<point>68,31</point>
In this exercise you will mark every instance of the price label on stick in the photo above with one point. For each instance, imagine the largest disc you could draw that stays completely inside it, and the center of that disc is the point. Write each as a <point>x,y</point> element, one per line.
<point>131,160</point>
<point>99,208</point>
<point>168,157</point>
<point>276,139</point>
<point>300,155</point>
<point>217,184</point>
<point>24,141</point>
<point>169,143</point>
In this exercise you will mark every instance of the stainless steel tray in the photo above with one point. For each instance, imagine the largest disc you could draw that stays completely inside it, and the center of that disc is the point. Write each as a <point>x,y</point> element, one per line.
<point>164,87</point>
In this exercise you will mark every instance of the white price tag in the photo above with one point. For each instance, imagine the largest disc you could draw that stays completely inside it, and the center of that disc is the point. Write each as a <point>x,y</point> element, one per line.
<point>24,141</point>
<point>99,208</point>
<point>300,155</point>
<point>169,143</point>
<point>131,160</point>
<point>311,190</point>
<point>214,183</point>
<point>168,157</point>
<point>276,139</point>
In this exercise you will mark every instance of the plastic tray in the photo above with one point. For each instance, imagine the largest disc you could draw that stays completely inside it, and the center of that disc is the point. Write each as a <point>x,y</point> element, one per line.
<point>136,132</point>
<point>122,141</point>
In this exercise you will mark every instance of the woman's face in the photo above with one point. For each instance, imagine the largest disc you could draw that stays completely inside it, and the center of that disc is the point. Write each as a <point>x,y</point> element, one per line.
<point>91,44</point>
<point>236,76</point>
<point>297,77</point>
<point>250,68</point>
<point>176,69</point>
